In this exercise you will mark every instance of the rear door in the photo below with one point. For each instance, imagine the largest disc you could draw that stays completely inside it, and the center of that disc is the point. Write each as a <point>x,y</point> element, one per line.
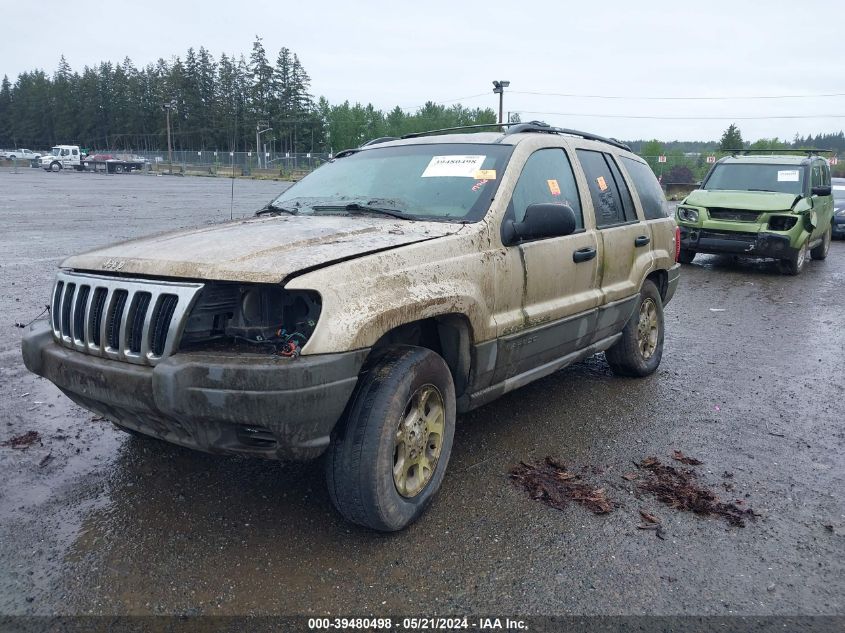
<point>624,237</point>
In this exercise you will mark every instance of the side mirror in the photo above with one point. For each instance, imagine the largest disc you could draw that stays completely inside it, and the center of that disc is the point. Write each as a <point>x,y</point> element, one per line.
<point>821,191</point>
<point>543,220</point>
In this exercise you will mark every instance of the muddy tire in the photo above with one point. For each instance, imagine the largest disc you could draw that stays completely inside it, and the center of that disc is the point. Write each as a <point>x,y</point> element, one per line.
<point>794,264</point>
<point>686,256</point>
<point>390,455</point>
<point>640,349</point>
<point>820,251</point>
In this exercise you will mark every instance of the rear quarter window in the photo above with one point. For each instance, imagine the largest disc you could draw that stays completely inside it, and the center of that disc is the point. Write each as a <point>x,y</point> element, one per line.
<point>650,191</point>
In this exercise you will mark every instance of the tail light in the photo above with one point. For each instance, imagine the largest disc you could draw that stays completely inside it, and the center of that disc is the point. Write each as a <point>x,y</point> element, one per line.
<point>677,243</point>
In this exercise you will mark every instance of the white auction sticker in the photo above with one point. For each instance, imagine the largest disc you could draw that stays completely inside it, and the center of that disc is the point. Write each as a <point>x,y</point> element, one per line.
<point>454,166</point>
<point>788,175</point>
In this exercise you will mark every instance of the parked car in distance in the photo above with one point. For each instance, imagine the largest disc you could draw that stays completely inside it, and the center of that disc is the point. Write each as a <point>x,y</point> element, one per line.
<point>400,283</point>
<point>20,155</point>
<point>838,207</point>
<point>761,206</point>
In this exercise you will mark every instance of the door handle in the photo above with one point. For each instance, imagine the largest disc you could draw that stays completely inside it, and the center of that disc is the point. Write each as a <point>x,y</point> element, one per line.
<point>642,240</point>
<point>583,254</point>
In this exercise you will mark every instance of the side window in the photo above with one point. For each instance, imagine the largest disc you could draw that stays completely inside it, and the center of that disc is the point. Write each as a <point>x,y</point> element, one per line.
<point>826,175</point>
<point>611,206</point>
<point>65,152</point>
<point>650,191</point>
<point>547,177</point>
<point>75,152</point>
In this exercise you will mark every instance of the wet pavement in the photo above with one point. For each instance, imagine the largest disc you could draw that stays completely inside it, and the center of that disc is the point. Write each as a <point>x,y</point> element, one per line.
<point>751,383</point>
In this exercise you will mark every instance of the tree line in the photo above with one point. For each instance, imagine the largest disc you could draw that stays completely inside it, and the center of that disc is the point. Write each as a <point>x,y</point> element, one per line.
<point>217,104</point>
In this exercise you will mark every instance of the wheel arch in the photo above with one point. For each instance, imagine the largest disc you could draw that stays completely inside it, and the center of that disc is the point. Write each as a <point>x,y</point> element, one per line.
<point>660,278</point>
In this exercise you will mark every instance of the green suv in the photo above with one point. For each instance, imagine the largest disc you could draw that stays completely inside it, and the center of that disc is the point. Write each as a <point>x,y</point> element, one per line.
<point>761,206</point>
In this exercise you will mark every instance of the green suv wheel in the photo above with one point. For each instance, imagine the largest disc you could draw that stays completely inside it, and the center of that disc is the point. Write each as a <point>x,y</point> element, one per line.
<point>389,459</point>
<point>640,349</point>
<point>794,264</point>
<point>821,251</point>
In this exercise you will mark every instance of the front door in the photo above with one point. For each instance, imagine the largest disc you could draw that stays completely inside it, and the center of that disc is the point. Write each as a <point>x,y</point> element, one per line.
<point>560,291</point>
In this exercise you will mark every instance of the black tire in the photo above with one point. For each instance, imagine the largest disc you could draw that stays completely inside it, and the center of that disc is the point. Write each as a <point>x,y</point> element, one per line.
<point>820,251</point>
<point>794,264</point>
<point>686,256</point>
<point>362,457</point>
<point>631,357</point>
<point>118,169</point>
<point>55,167</point>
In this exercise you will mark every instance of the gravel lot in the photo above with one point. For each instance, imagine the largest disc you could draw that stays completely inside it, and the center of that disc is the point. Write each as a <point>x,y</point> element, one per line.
<point>94,521</point>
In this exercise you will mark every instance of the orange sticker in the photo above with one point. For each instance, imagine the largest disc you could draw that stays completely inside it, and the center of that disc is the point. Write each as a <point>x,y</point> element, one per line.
<point>602,183</point>
<point>485,174</point>
<point>554,187</point>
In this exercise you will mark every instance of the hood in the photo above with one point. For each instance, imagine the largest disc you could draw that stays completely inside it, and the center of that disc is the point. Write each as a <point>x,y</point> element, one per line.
<point>749,200</point>
<point>261,250</point>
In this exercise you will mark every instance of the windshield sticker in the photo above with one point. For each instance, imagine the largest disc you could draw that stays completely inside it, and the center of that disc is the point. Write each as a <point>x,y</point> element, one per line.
<point>453,166</point>
<point>787,175</point>
<point>602,184</point>
<point>554,188</point>
<point>485,174</point>
<point>478,185</point>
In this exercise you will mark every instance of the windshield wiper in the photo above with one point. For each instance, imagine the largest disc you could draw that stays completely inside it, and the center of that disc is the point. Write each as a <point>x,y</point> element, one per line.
<point>272,209</point>
<point>766,190</point>
<point>353,207</point>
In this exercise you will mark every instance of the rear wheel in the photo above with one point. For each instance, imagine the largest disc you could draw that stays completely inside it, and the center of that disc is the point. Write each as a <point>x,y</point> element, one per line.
<point>389,459</point>
<point>640,349</point>
<point>686,256</point>
<point>794,264</point>
<point>820,251</point>
<point>118,169</point>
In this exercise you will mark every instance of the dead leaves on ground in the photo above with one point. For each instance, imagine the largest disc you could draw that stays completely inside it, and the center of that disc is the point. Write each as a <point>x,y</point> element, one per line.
<point>551,483</point>
<point>23,441</point>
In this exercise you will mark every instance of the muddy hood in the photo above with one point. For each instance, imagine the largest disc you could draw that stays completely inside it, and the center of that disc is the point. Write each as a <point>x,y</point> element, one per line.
<point>263,250</point>
<point>749,200</point>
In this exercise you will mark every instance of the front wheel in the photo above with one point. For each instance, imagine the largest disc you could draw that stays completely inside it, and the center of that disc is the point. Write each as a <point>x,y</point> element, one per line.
<point>821,251</point>
<point>640,349</point>
<point>794,264</point>
<point>56,167</point>
<point>389,458</point>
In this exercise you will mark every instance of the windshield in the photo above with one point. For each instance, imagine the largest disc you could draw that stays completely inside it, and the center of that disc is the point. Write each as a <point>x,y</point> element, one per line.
<point>757,177</point>
<point>55,151</point>
<point>442,182</point>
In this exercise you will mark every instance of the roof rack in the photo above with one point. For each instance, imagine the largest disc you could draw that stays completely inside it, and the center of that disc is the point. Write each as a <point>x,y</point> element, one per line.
<point>539,126</point>
<point>382,139</point>
<point>454,129</point>
<point>809,151</point>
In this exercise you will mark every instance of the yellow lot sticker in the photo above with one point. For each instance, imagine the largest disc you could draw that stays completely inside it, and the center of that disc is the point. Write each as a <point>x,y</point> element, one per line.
<point>554,188</point>
<point>485,174</point>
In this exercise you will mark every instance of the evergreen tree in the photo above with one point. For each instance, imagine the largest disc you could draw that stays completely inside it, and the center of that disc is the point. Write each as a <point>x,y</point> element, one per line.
<point>731,139</point>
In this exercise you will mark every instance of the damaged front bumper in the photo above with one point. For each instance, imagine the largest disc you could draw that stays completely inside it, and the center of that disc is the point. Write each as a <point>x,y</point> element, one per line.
<point>253,404</point>
<point>738,243</point>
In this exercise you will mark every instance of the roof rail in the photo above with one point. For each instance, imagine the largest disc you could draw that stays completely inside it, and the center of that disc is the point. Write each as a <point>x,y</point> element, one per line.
<point>453,129</point>
<point>809,151</point>
<point>539,126</point>
<point>381,139</point>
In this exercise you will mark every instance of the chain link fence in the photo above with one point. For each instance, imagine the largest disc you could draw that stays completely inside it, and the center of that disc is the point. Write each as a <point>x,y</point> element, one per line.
<point>245,163</point>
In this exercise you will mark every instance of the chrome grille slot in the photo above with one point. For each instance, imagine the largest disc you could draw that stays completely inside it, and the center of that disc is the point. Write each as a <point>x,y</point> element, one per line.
<point>137,314</point>
<point>67,302</point>
<point>79,313</point>
<point>115,318</point>
<point>57,307</point>
<point>134,320</point>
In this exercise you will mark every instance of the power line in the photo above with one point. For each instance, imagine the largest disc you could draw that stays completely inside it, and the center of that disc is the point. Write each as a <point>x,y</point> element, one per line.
<point>687,118</point>
<point>708,98</point>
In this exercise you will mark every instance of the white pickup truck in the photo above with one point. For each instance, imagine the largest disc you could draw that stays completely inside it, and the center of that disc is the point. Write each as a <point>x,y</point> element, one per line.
<point>20,154</point>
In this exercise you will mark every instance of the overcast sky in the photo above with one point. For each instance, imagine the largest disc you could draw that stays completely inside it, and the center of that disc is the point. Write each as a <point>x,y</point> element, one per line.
<point>404,53</point>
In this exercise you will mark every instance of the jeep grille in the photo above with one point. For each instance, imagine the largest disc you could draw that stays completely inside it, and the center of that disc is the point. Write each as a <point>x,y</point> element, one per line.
<point>133,320</point>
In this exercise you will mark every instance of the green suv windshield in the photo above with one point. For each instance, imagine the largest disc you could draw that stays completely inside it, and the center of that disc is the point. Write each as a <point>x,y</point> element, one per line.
<point>757,177</point>
<point>442,182</point>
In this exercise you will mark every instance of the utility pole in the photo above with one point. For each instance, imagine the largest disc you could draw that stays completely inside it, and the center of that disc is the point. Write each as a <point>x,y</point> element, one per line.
<point>167,107</point>
<point>499,88</point>
<point>258,133</point>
